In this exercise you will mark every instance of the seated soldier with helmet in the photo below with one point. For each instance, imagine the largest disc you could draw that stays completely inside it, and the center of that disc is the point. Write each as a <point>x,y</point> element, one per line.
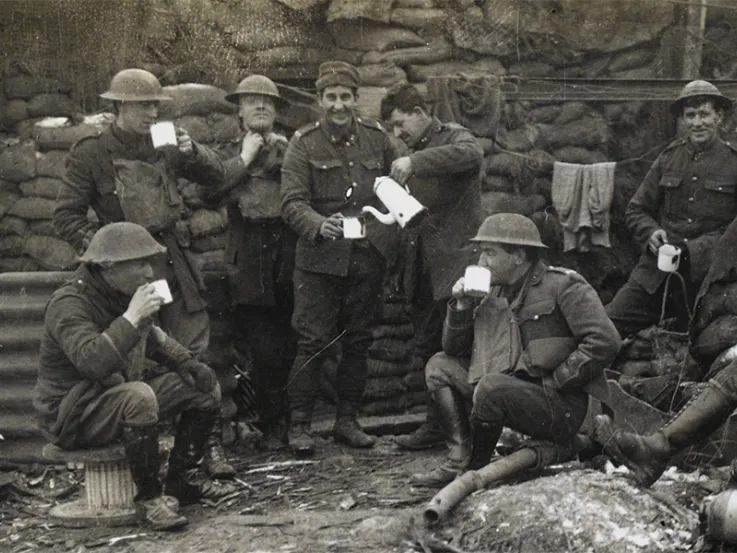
<point>107,374</point>
<point>527,353</point>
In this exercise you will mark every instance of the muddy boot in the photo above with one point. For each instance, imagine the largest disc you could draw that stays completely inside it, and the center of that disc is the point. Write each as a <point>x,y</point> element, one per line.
<point>299,436</point>
<point>427,436</point>
<point>275,435</point>
<point>184,480</point>
<point>347,431</point>
<point>215,461</point>
<point>452,413</point>
<point>484,439</point>
<point>141,445</point>
<point>647,456</point>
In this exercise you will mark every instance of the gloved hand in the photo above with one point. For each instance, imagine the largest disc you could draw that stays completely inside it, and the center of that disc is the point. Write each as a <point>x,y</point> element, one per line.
<point>198,375</point>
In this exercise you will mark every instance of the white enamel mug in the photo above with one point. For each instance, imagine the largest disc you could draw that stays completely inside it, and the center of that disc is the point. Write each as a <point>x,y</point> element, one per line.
<point>476,281</point>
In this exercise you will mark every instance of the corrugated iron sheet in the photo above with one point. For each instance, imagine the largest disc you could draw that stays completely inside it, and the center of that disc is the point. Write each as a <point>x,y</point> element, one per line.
<point>23,297</point>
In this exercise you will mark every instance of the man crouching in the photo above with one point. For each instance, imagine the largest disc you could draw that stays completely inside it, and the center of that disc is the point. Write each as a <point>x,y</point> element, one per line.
<point>107,374</point>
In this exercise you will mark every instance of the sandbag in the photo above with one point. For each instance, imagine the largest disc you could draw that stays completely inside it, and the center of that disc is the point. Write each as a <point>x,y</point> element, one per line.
<point>224,127</point>
<point>381,74</point>
<point>10,224</point>
<point>62,138</point>
<point>377,10</point>
<point>415,381</point>
<point>368,35</point>
<point>18,162</point>
<point>189,191</point>
<point>194,99</point>
<point>197,127</point>
<point>33,207</point>
<point>437,50</point>
<point>211,261</point>
<point>391,406</point>
<point>388,349</point>
<point>544,114</point>
<point>53,254</point>
<point>7,200</point>
<point>42,227</point>
<point>209,242</point>
<point>719,335</point>
<point>574,154</point>
<point>570,111</point>
<point>521,139</point>
<point>378,368</point>
<point>18,264</point>
<point>383,387</point>
<point>392,331</point>
<point>290,55</point>
<point>206,222</point>
<point>420,73</point>
<point>394,313</point>
<point>14,111</point>
<point>51,163</point>
<point>508,202</point>
<point>587,132</point>
<point>531,69</point>
<point>44,187</point>
<point>418,18</point>
<point>28,86</point>
<point>51,105</point>
<point>496,183</point>
<point>369,101</point>
<point>11,245</point>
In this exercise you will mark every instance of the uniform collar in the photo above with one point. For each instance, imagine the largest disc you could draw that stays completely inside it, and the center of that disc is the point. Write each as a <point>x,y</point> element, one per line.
<point>432,129</point>
<point>335,134</point>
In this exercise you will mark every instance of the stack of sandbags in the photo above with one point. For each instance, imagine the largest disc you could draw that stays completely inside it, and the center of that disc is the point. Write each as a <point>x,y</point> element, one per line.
<point>389,361</point>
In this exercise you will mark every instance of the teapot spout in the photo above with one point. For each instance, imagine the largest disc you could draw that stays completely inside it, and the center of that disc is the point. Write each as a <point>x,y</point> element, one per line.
<point>384,218</point>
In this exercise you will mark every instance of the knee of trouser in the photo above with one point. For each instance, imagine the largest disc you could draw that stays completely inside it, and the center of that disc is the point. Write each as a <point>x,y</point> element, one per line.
<point>487,397</point>
<point>141,405</point>
<point>436,372</point>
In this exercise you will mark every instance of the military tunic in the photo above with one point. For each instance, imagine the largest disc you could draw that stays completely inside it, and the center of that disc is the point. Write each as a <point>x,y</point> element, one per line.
<point>692,195</point>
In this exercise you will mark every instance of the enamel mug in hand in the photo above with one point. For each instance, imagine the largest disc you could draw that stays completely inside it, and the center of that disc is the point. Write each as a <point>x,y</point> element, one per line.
<point>162,290</point>
<point>353,227</point>
<point>163,134</point>
<point>476,281</point>
<point>669,257</point>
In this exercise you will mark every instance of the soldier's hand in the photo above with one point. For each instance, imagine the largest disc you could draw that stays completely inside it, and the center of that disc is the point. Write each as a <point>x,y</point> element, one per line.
<point>276,140</point>
<point>401,169</point>
<point>332,227</point>
<point>184,141</point>
<point>144,303</point>
<point>657,239</point>
<point>458,292</point>
<point>198,375</point>
<point>251,145</point>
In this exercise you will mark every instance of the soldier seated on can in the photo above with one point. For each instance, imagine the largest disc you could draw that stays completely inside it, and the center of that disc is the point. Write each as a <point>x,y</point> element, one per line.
<point>525,355</point>
<point>107,374</point>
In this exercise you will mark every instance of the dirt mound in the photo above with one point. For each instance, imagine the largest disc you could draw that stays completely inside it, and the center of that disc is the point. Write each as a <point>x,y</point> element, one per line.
<point>576,511</point>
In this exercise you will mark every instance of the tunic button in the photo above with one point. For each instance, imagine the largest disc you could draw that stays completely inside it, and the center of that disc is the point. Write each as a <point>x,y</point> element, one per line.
<point>350,164</point>
<point>324,166</point>
<point>694,178</point>
<point>347,143</point>
<point>720,188</point>
<point>690,220</point>
<point>690,199</point>
<point>115,192</point>
<point>354,184</point>
<point>536,317</point>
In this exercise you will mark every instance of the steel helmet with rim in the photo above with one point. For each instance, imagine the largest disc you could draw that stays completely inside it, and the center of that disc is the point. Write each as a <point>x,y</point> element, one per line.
<point>255,84</point>
<point>509,228</point>
<point>700,88</point>
<point>135,85</point>
<point>121,241</point>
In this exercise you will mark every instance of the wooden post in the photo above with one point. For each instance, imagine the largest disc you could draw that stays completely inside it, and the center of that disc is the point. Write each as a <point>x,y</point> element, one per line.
<point>694,40</point>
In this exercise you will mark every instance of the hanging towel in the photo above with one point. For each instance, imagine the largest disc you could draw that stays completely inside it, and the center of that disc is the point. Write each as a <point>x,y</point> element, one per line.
<point>582,196</point>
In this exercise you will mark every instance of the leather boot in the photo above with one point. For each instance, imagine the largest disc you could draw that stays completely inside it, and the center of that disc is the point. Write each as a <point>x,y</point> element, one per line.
<point>184,480</point>
<point>298,434</point>
<point>484,437</point>
<point>142,451</point>
<point>215,461</point>
<point>346,429</point>
<point>452,412</point>
<point>427,436</point>
<point>647,456</point>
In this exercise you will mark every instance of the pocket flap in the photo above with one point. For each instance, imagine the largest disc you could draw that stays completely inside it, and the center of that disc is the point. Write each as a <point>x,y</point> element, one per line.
<point>535,310</point>
<point>670,181</point>
<point>325,164</point>
<point>718,185</point>
<point>373,164</point>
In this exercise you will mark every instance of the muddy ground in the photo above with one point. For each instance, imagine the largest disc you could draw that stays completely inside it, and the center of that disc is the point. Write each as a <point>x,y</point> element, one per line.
<point>360,501</point>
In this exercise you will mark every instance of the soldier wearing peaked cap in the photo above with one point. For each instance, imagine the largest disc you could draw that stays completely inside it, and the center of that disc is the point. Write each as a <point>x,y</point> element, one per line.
<point>687,199</point>
<point>108,374</point>
<point>328,175</point>
<point>527,355</point>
